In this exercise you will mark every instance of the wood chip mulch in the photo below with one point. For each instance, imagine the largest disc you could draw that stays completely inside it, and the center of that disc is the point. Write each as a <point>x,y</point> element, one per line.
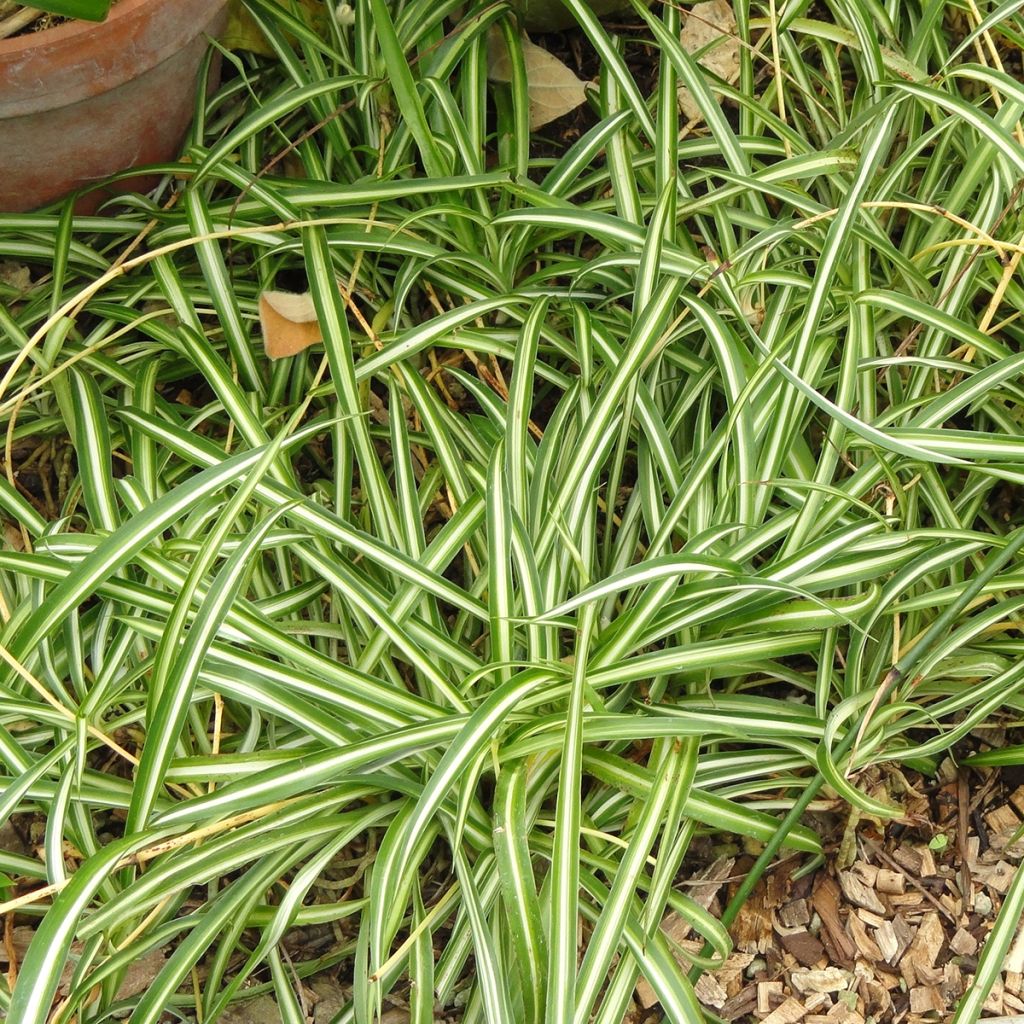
<point>889,931</point>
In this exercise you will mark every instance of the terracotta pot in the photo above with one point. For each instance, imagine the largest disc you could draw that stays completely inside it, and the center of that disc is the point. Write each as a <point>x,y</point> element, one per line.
<point>82,101</point>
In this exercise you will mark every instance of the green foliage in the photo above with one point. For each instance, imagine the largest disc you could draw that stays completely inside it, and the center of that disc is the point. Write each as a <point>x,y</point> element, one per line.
<point>648,482</point>
<point>88,10</point>
<point>554,16</point>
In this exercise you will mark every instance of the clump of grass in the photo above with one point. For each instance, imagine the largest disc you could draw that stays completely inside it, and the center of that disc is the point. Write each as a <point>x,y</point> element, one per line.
<point>639,491</point>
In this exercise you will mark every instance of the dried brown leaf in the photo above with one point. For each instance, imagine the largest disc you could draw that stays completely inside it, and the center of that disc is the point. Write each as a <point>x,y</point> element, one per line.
<point>554,88</point>
<point>289,323</point>
<point>710,30</point>
<point>15,275</point>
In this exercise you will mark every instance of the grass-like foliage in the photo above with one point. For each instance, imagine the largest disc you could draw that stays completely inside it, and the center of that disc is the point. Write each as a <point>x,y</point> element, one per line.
<point>645,486</point>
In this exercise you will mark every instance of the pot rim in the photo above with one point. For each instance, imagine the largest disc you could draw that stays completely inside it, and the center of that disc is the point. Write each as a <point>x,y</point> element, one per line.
<point>67,33</point>
<point>67,63</point>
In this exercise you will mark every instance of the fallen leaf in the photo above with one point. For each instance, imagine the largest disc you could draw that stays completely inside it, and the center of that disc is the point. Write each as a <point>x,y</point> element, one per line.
<point>710,30</point>
<point>553,88</point>
<point>243,33</point>
<point>289,323</point>
<point>15,275</point>
<point>13,538</point>
<point>141,973</point>
<point>261,1010</point>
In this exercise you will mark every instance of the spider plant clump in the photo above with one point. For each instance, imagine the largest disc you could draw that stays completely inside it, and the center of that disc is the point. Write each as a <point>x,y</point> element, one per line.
<point>655,475</point>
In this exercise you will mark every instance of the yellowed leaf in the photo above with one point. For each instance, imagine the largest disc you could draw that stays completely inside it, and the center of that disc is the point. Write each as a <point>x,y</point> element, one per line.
<point>243,33</point>
<point>710,30</point>
<point>289,323</point>
<point>554,88</point>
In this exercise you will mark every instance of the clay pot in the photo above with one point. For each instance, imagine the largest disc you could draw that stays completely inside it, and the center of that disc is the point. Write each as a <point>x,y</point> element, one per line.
<point>83,100</point>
